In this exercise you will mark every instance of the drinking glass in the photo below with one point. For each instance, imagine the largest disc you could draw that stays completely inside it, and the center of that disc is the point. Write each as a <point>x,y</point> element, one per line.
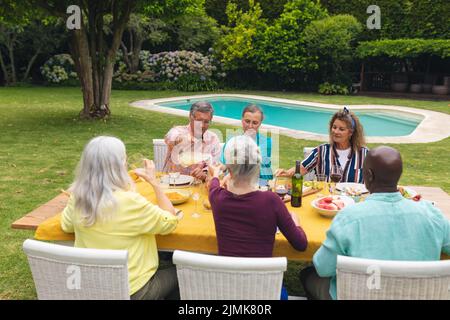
<point>195,197</point>
<point>173,176</point>
<point>320,181</point>
<point>281,186</point>
<point>335,177</point>
<point>135,161</point>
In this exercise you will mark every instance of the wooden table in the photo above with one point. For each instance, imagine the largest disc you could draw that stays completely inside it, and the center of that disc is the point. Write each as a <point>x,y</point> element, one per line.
<point>199,234</point>
<point>34,218</point>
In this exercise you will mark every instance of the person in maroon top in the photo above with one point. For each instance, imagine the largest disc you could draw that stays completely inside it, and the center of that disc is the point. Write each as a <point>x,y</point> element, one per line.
<point>245,218</point>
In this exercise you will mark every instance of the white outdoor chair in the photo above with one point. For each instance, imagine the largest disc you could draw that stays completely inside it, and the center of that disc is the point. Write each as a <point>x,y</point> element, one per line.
<point>367,279</point>
<point>209,277</point>
<point>67,273</point>
<point>309,176</point>
<point>160,153</point>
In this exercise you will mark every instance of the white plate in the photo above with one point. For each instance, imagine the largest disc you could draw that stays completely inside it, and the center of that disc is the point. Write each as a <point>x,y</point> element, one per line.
<point>331,213</point>
<point>354,186</point>
<point>180,181</point>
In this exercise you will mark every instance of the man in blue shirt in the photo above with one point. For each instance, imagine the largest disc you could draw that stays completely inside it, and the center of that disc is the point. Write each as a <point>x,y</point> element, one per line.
<point>385,226</point>
<point>252,118</point>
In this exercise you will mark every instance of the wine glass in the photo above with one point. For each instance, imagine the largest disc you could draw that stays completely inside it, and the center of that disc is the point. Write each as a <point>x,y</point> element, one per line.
<point>173,176</point>
<point>335,177</point>
<point>135,161</point>
<point>281,186</point>
<point>195,197</point>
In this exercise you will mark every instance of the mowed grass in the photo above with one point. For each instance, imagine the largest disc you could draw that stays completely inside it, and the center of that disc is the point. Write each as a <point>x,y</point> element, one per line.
<point>42,139</point>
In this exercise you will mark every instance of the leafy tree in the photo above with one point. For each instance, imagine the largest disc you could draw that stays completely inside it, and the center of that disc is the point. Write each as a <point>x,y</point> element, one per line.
<point>399,18</point>
<point>93,51</point>
<point>26,34</point>
<point>217,8</point>
<point>281,47</point>
<point>193,31</point>
<point>430,19</point>
<point>330,43</point>
<point>236,47</point>
<point>139,29</point>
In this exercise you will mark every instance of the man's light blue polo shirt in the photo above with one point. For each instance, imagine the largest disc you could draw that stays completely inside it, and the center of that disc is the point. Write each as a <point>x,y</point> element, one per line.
<point>385,226</point>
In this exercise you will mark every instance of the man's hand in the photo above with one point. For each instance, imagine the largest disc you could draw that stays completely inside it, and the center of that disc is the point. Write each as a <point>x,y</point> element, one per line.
<point>198,173</point>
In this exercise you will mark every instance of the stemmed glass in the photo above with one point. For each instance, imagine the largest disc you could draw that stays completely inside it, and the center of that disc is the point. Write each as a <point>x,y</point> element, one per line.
<point>281,186</point>
<point>335,177</point>
<point>195,197</point>
<point>173,176</point>
<point>135,161</point>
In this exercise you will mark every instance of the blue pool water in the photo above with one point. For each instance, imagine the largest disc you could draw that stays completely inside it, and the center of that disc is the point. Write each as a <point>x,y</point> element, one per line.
<point>305,118</point>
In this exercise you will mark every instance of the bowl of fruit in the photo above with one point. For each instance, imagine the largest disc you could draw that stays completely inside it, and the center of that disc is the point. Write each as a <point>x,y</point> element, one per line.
<point>329,206</point>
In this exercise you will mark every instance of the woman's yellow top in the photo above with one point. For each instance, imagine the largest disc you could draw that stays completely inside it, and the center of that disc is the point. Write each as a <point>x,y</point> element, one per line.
<point>132,227</point>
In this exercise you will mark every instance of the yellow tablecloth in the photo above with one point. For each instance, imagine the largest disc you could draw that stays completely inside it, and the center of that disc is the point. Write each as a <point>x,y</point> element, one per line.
<point>198,234</point>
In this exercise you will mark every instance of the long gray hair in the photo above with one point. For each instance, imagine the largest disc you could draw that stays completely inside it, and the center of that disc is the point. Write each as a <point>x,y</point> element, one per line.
<point>243,159</point>
<point>101,171</point>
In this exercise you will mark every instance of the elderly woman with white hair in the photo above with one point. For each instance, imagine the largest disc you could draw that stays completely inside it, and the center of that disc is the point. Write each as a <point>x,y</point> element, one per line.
<point>105,212</point>
<point>245,218</point>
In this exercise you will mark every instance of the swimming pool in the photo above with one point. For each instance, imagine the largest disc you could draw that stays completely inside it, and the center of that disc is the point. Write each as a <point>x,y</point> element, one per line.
<point>381,123</point>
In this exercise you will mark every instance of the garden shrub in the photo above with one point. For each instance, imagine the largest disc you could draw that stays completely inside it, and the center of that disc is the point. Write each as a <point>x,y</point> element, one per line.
<point>143,75</point>
<point>330,43</point>
<point>194,82</point>
<point>331,89</point>
<point>172,65</point>
<point>281,47</point>
<point>59,69</point>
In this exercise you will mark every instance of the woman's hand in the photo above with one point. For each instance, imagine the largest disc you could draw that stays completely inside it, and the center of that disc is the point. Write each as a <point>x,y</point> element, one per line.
<point>148,173</point>
<point>214,170</point>
<point>224,183</point>
<point>285,173</point>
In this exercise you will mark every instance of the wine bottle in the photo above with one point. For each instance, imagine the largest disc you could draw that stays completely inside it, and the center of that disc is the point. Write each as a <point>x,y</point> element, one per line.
<point>297,186</point>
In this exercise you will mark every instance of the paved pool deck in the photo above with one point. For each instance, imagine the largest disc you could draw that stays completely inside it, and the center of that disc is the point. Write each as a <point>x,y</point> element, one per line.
<point>435,126</point>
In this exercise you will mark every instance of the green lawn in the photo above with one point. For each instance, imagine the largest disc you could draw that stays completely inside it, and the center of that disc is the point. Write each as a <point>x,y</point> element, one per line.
<point>42,139</point>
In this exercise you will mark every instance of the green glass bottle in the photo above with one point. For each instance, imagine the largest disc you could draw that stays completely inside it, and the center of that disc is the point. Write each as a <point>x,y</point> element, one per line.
<point>297,186</point>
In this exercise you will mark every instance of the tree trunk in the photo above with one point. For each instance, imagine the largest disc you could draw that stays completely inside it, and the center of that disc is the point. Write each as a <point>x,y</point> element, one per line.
<point>362,80</point>
<point>88,52</point>
<point>11,59</point>
<point>125,55</point>
<point>81,56</point>
<point>30,64</point>
<point>135,55</point>
<point>5,72</point>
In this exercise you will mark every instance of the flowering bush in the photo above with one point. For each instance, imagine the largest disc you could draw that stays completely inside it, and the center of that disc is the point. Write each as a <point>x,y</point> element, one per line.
<point>172,65</point>
<point>59,68</point>
<point>144,74</point>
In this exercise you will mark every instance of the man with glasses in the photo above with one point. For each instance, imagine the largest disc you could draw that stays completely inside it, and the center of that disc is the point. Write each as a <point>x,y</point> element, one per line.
<point>190,146</point>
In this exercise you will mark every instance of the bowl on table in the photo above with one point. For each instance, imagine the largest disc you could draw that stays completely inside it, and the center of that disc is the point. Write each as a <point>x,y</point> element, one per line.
<point>178,196</point>
<point>329,206</point>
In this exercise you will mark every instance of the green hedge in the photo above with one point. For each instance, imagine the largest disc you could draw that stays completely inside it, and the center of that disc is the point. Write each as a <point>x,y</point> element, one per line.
<point>404,48</point>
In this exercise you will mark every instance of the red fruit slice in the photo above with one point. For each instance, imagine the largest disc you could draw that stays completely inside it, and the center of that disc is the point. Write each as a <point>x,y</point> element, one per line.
<point>327,199</point>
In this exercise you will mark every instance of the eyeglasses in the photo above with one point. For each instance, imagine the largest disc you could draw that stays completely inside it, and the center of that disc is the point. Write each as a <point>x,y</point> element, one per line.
<point>205,122</point>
